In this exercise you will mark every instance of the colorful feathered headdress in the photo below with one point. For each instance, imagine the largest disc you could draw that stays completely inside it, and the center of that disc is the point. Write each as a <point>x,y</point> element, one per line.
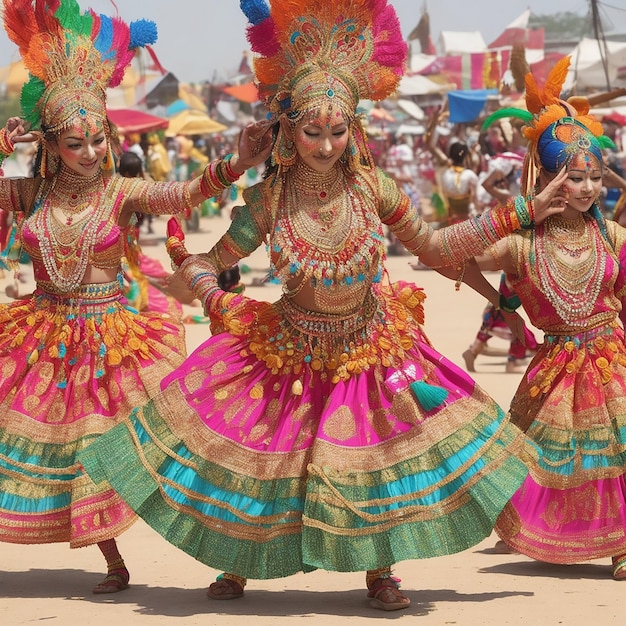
<point>308,50</point>
<point>556,129</point>
<point>72,57</point>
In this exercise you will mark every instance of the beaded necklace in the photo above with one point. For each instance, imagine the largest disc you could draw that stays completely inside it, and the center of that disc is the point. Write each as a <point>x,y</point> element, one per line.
<point>571,282</point>
<point>328,252</point>
<point>67,246</point>
<point>72,195</point>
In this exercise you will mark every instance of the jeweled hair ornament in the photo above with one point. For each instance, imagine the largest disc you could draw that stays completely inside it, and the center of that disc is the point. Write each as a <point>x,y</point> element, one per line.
<point>358,42</point>
<point>314,54</point>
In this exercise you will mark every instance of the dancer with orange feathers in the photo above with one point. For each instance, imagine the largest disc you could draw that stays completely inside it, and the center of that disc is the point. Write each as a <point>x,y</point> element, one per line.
<point>74,360</point>
<point>569,276</point>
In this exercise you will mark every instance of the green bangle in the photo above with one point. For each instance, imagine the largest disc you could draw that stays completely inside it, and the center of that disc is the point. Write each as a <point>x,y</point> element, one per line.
<point>508,306</point>
<point>523,208</point>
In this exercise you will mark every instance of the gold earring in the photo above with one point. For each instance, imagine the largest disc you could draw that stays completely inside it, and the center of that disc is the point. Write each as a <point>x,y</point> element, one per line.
<point>284,151</point>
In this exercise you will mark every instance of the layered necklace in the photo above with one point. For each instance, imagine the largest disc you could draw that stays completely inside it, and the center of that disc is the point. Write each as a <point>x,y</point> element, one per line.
<point>72,195</point>
<point>322,229</point>
<point>67,221</point>
<point>570,265</point>
<point>319,208</point>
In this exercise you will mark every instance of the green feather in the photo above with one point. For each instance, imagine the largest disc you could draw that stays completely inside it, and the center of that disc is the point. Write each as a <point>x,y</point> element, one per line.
<point>72,20</point>
<point>31,94</point>
<point>522,114</point>
<point>606,143</point>
<point>429,396</point>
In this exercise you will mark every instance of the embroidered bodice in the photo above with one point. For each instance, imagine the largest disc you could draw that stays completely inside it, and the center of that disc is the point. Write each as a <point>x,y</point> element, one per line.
<point>570,297</point>
<point>61,244</point>
<point>333,246</point>
<point>44,234</point>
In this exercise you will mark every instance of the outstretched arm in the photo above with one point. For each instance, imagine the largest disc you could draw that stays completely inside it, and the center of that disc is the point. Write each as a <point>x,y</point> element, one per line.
<point>453,244</point>
<point>168,198</point>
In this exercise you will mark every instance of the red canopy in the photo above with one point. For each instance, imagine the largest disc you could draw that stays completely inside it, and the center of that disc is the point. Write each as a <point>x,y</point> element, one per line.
<point>615,117</point>
<point>135,121</point>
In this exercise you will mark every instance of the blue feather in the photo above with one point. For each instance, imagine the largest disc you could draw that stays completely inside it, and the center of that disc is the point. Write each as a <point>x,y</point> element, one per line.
<point>104,41</point>
<point>255,10</point>
<point>142,33</point>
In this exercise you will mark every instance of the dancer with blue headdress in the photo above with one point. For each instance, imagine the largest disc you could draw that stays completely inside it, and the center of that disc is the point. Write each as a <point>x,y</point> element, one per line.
<point>569,276</point>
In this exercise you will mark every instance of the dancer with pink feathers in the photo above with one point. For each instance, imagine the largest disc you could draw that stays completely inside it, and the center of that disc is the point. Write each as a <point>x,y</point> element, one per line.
<point>322,430</point>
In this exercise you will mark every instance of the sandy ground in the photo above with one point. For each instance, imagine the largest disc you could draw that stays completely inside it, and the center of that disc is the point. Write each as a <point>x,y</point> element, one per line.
<point>52,584</point>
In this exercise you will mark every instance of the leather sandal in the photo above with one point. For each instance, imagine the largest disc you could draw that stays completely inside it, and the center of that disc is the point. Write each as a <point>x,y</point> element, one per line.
<point>116,580</point>
<point>225,589</point>
<point>385,595</point>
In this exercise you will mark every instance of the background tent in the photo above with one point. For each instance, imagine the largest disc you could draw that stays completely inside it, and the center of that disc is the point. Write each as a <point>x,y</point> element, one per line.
<point>417,85</point>
<point>135,121</point>
<point>587,70</point>
<point>244,93</point>
<point>466,105</point>
<point>191,122</point>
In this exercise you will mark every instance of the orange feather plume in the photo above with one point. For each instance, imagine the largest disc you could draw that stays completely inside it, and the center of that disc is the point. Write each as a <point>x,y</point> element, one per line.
<point>537,99</point>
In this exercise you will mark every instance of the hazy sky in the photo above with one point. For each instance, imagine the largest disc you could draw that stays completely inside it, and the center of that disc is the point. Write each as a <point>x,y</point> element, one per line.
<point>204,39</point>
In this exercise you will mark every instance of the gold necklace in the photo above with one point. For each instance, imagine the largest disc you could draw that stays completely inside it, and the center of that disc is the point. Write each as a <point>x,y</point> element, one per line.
<point>325,255</point>
<point>571,237</point>
<point>73,196</point>
<point>323,186</point>
<point>571,284</point>
<point>66,251</point>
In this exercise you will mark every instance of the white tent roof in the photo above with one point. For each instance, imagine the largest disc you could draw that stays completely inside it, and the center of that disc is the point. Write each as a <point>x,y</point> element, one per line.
<point>418,61</point>
<point>451,42</point>
<point>418,85</point>
<point>586,68</point>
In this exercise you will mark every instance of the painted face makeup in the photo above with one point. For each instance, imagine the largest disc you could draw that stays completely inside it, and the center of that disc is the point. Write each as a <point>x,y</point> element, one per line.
<point>83,147</point>
<point>321,138</point>
<point>584,183</point>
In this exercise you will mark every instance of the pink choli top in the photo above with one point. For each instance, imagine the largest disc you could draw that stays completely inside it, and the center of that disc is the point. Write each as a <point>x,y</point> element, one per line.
<point>99,235</point>
<point>600,302</point>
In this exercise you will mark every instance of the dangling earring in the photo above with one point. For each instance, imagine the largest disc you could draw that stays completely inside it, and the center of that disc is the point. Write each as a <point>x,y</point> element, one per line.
<point>108,163</point>
<point>284,152</point>
<point>49,163</point>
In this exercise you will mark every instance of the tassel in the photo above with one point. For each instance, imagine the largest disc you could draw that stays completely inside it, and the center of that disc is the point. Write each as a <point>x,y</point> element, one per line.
<point>429,396</point>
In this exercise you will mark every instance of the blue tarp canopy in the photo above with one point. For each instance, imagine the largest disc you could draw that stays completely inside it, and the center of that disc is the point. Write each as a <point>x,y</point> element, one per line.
<point>465,105</point>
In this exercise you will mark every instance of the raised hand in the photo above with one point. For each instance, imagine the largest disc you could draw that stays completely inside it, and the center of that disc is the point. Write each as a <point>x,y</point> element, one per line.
<point>255,145</point>
<point>174,244</point>
<point>17,133</point>
<point>552,199</point>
